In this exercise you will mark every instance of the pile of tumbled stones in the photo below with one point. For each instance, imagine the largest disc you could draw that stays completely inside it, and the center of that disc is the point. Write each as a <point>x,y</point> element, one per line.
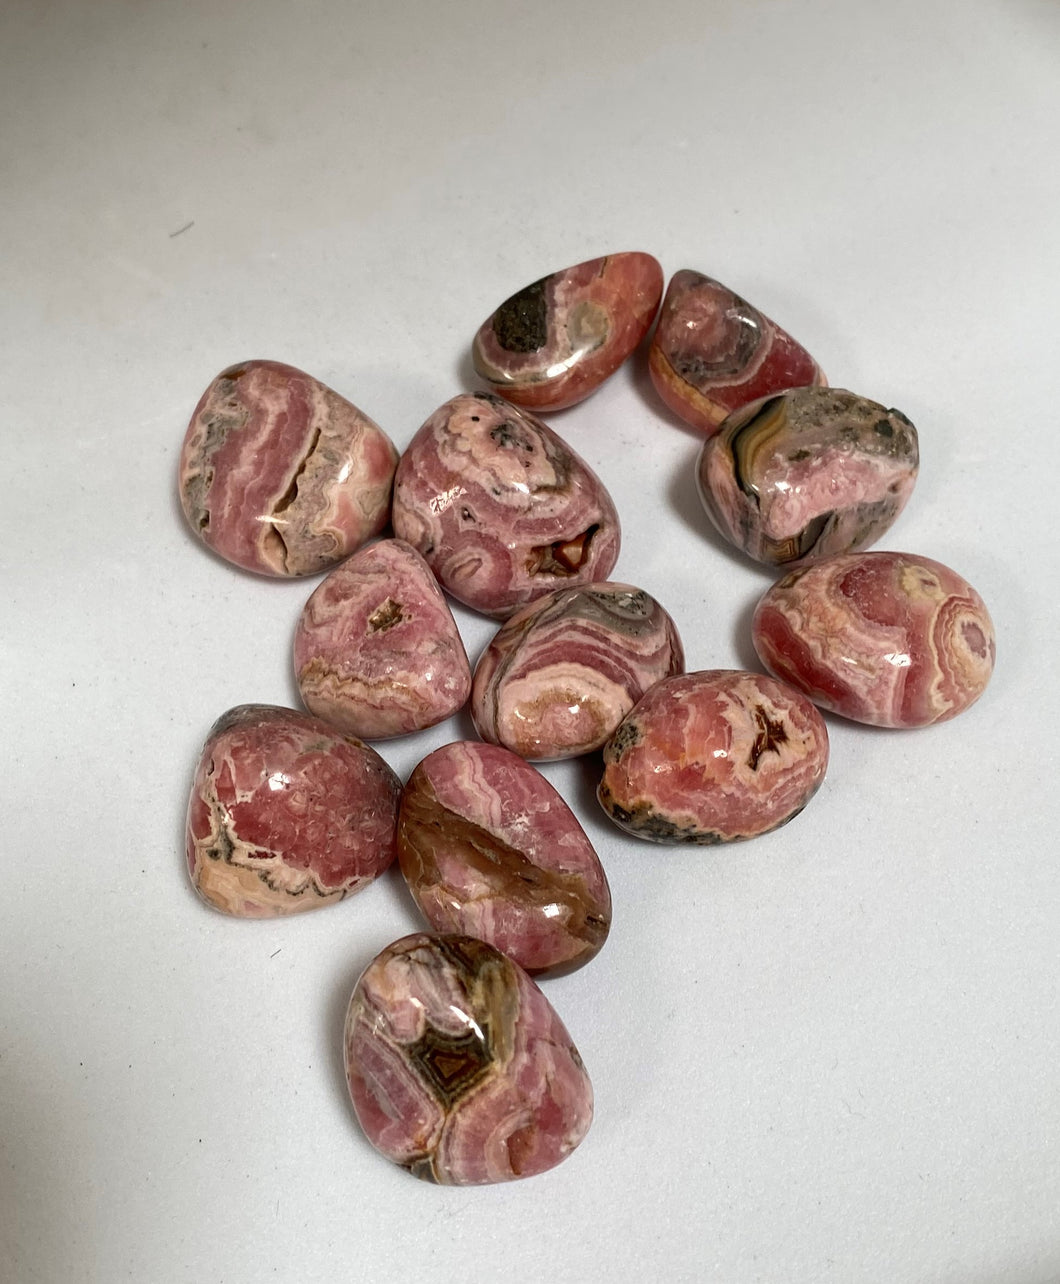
<point>458,1066</point>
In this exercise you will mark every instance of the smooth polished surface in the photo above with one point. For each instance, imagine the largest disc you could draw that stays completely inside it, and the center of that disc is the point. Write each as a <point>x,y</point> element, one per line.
<point>490,849</point>
<point>891,639</point>
<point>377,651</point>
<point>501,507</point>
<point>554,342</point>
<point>807,474</point>
<point>713,352</point>
<point>712,757</point>
<point>458,1066</point>
<point>286,814</point>
<point>281,475</point>
<point>562,673</point>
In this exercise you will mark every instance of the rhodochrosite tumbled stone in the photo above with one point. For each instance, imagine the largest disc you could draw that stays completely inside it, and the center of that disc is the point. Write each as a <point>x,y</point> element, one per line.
<point>377,651</point>
<point>556,341</point>
<point>279,474</point>
<point>502,509</point>
<point>458,1067</point>
<point>891,639</point>
<point>489,848</point>
<point>562,673</point>
<point>286,814</point>
<point>712,352</point>
<point>713,756</point>
<point>807,474</point>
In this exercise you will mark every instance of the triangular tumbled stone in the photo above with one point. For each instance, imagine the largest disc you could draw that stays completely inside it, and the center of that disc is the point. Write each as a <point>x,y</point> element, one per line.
<point>377,651</point>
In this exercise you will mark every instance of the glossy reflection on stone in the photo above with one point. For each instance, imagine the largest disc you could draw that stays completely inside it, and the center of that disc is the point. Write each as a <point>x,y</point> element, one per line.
<point>501,507</point>
<point>490,849</point>
<point>286,814</point>
<point>562,673</point>
<point>712,757</point>
<point>808,473</point>
<point>890,639</point>
<point>556,341</point>
<point>377,650</point>
<point>713,352</point>
<point>279,474</point>
<point>458,1066</point>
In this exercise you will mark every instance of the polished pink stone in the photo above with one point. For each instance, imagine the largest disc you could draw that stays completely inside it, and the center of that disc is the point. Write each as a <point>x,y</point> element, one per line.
<point>713,756</point>
<point>286,814</point>
<point>563,672</point>
<point>713,352</point>
<point>377,651</point>
<point>502,508</point>
<point>490,849</point>
<point>891,639</point>
<point>808,473</point>
<point>279,474</point>
<point>556,341</point>
<point>459,1068</point>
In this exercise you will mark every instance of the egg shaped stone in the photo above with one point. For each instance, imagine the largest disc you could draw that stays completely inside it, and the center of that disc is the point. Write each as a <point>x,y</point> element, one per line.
<point>286,814</point>
<point>458,1067</point>
<point>377,651</point>
<point>563,672</point>
<point>889,639</point>
<point>556,341</point>
<point>281,475</point>
<point>712,352</point>
<point>490,849</point>
<point>808,473</point>
<point>713,757</point>
<point>500,507</point>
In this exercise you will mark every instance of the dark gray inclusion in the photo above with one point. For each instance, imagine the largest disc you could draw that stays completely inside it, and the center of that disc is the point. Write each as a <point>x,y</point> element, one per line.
<point>451,1065</point>
<point>521,322</point>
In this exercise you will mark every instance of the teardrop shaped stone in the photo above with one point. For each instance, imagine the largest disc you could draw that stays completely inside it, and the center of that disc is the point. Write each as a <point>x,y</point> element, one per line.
<point>490,849</point>
<point>712,352</point>
<point>286,814</point>
<point>377,651</point>
<point>281,475</point>
<point>563,672</point>
<point>556,341</point>
<point>459,1068</point>
<point>501,507</point>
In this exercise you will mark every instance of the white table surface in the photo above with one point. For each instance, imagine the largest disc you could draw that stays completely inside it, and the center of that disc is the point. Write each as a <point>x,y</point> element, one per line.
<point>832,1054</point>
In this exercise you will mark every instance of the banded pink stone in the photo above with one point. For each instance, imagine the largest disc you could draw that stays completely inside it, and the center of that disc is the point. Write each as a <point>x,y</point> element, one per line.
<point>890,639</point>
<point>501,507</point>
<point>281,475</point>
<point>490,849</point>
<point>563,672</point>
<point>459,1068</point>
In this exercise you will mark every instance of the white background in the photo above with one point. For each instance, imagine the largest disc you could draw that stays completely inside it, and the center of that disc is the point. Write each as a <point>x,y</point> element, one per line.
<point>832,1054</point>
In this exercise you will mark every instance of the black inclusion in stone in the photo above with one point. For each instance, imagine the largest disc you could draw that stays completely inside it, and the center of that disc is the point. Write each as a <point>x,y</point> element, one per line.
<point>521,322</point>
<point>450,1064</point>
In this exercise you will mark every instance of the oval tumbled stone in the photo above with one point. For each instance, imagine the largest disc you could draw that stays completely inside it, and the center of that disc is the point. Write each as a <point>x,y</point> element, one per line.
<point>808,473</point>
<point>490,849</point>
<point>890,639</point>
<point>562,673</point>
<point>286,814</point>
<point>377,651</point>
<point>712,352</point>
<point>459,1068</point>
<point>501,507</point>
<point>712,757</point>
<point>279,474</point>
<point>556,341</point>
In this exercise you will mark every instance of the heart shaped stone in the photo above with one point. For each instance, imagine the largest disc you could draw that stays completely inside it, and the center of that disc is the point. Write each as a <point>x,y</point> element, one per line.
<point>377,651</point>
<point>490,849</point>
<point>556,341</point>
<point>458,1067</point>
<point>286,814</point>
<point>501,507</point>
